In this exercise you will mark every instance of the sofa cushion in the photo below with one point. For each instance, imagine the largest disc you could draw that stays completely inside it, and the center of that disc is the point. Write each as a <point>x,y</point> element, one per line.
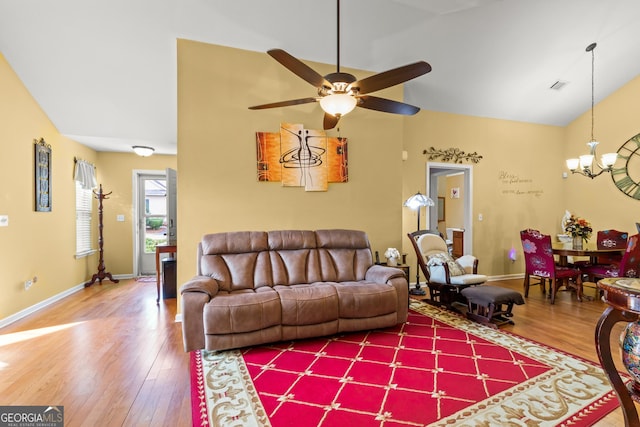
<point>308,304</point>
<point>344,255</point>
<point>242,311</point>
<point>237,260</point>
<point>293,256</point>
<point>361,299</point>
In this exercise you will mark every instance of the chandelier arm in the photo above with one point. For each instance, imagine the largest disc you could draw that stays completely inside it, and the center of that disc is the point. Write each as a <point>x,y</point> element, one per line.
<point>588,173</point>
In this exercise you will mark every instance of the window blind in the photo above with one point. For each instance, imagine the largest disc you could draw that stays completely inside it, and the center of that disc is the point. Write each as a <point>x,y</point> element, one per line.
<point>84,198</point>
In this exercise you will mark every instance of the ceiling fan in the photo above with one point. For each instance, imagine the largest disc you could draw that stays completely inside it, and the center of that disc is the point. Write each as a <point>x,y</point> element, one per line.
<point>339,93</point>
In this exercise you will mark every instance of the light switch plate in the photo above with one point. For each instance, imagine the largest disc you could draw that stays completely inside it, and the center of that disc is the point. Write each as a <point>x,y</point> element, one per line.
<point>4,220</point>
<point>120,218</point>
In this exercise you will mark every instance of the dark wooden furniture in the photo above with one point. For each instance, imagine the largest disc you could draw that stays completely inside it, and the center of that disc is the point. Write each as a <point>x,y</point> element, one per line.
<point>101,274</point>
<point>458,244</point>
<point>624,306</point>
<point>172,249</point>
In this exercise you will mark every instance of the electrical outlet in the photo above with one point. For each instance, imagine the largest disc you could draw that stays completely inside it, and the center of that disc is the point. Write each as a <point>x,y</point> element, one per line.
<point>28,283</point>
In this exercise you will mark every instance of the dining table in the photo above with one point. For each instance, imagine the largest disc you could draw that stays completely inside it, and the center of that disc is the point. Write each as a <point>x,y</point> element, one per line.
<point>592,252</point>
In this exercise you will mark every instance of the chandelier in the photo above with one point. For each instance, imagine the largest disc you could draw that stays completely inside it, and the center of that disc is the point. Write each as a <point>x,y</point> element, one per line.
<point>584,165</point>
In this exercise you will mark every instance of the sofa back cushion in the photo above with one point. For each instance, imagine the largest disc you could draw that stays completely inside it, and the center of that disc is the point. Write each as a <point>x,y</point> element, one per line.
<point>345,255</point>
<point>237,260</point>
<point>294,257</point>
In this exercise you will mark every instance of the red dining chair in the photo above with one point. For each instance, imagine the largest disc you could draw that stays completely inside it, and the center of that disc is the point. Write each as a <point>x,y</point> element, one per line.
<point>540,264</point>
<point>607,239</point>
<point>629,265</point>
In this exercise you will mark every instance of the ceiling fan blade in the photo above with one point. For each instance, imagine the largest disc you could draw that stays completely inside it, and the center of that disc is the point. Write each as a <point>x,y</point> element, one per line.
<point>329,121</point>
<point>386,105</point>
<point>284,103</point>
<point>299,68</point>
<point>391,77</point>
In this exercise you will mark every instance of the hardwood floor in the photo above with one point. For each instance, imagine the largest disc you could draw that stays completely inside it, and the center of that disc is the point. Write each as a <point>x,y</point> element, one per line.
<point>112,357</point>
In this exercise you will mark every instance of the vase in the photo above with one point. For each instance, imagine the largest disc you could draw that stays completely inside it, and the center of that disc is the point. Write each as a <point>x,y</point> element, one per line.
<point>393,261</point>
<point>577,242</point>
<point>630,349</point>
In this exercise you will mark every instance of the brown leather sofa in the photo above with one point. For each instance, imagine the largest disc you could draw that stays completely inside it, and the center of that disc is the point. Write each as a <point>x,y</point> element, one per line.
<point>256,287</point>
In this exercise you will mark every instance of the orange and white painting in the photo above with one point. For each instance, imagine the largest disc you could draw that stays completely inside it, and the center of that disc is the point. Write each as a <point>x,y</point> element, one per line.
<point>299,157</point>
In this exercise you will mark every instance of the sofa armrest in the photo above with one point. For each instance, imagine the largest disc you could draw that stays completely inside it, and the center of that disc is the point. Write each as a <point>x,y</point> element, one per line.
<point>195,294</point>
<point>204,284</point>
<point>382,274</point>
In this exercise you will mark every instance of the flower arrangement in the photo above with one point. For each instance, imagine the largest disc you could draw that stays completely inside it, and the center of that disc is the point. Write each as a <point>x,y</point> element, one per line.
<point>392,253</point>
<point>578,227</point>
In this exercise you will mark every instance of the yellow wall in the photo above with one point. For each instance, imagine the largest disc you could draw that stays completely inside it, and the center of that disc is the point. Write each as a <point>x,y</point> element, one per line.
<point>531,195</point>
<point>35,244</point>
<point>598,200</point>
<point>42,244</point>
<point>217,186</point>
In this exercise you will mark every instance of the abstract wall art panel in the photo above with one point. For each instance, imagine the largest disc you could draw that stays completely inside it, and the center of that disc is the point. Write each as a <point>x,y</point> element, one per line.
<point>299,157</point>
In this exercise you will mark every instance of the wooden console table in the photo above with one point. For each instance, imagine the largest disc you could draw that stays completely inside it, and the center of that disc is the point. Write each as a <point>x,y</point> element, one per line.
<point>172,249</point>
<point>623,297</point>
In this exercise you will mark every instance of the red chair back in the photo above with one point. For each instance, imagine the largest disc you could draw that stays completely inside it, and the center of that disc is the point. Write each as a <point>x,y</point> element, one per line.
<point>612,239</point>
<point>630,264</point>
<point>538,254</point>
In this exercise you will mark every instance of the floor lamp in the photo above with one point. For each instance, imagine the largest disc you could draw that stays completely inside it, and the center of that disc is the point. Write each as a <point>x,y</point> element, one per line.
<point>415,202</point>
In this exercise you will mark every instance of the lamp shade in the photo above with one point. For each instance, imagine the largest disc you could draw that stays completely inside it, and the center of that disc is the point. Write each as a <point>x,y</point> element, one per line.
<point>338,104</point>
<point>608,159</point>
<point>586,161</point>
<point>143,151</point>
<point>418,200</point>
<point>572,164</point>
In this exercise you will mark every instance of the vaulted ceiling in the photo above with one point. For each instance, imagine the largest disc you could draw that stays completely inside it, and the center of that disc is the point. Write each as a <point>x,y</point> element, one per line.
<point>105,70</point>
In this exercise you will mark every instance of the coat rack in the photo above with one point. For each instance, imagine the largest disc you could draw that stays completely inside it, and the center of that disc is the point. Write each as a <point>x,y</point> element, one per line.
<point>100,275</point>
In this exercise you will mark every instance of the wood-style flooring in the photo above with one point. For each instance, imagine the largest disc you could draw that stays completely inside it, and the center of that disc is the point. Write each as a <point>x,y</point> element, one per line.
<point>112,357</point>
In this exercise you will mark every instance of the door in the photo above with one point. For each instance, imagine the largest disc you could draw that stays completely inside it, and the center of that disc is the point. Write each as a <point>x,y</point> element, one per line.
<point>172,207</point>
<point>434,170</point>
<point>151,219</point>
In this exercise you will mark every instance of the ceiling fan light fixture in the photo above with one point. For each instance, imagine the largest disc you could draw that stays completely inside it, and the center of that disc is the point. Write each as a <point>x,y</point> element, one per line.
<point>338,104</point>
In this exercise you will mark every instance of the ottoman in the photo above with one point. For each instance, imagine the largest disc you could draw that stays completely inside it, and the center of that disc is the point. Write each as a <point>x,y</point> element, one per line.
<point>485,304</point>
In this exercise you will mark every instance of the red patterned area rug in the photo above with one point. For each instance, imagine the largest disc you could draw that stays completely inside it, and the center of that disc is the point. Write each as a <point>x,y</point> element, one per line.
<point>438,369</point>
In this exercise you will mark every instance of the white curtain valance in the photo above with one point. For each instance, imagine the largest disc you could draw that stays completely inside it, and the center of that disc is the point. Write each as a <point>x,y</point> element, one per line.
<point>85,174</point>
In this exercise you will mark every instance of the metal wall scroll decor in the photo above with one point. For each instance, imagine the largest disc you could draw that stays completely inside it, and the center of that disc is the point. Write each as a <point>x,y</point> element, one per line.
<point>42,158</point>
<point>454,155</point>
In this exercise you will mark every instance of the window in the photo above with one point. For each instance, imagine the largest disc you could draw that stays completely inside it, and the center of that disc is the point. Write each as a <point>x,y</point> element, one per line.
<point>83,221</point>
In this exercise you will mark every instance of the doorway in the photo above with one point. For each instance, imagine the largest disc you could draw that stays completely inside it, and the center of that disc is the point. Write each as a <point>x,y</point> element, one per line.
<point>435,171</point>
<point>154,201</point>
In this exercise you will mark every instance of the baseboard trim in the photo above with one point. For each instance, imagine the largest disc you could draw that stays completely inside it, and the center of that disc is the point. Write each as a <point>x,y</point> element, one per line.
<point>506,277</point>
<point>178,317</point>
<point>39,306</point>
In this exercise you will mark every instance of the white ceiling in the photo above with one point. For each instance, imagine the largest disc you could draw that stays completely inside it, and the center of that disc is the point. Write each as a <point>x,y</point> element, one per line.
<point>105,70</point>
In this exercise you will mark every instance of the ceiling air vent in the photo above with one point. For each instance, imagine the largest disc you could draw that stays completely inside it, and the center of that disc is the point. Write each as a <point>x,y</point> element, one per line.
<point>558,85</point>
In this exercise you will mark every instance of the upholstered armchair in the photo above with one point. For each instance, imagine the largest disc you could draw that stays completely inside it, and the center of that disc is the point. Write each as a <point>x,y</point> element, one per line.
<point>445,276</point>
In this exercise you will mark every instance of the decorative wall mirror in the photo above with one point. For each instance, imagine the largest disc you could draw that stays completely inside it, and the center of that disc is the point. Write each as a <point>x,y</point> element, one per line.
<point>42,167</point>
